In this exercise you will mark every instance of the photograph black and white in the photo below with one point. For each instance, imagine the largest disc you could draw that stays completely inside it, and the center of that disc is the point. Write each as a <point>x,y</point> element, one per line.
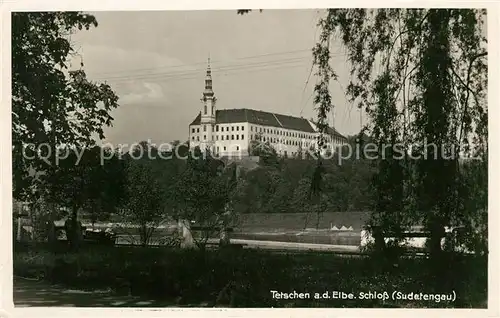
<point>250,158</point>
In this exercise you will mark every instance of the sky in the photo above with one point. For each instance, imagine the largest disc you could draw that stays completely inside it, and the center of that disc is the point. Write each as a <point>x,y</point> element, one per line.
<point>156,63</point>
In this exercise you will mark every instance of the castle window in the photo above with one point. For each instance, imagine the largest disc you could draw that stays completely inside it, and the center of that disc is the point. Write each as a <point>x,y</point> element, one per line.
<point>217,128</point>
<point>238,128</point>
<point>227,137</point>
<point>237,137</point>
<point>217,148</point>
<point>224,148</point>
<point>205,109</point>
<point>204,127</point>
<point>237,147</point>
<point>242,137</point>
<point>197,130</point>
<point>232,137</point>
<point>242,128</point>
<point>251,128</point>
<point>204,137</point>
<point>192,130</point>
<point>222,137</point>
<point>217,138</point>
<point>232,128</point>
<point>193,138</point>
<point>197,138</point>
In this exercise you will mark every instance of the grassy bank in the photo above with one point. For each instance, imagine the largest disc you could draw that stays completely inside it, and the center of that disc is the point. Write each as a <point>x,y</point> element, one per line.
<point>245,278</point>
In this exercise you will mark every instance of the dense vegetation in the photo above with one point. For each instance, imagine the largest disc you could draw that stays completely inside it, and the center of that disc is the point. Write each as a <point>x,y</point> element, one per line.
<point>421,76</point>
<point>245,278</point>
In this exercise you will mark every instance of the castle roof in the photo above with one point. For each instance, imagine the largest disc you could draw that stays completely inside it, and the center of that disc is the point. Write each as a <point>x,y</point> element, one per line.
<point>257,117</point>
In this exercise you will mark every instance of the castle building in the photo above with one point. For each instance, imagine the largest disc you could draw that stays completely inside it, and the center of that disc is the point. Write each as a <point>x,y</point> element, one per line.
<point>230,132</point>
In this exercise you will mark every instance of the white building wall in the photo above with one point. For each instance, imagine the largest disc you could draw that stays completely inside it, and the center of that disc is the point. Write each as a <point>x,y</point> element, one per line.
<point>195,134</point>
<point>285,141</point>
<point>232,139</point>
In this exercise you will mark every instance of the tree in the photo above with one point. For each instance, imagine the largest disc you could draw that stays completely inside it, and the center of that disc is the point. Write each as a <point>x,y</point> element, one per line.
<point>473,208</point>
<point>83,180</point>
<point>145,202</point>
<point>53,104</point>
<point>111,187</point>
<point>245,11</point>
<point>266,153</point>
<point>203,194</point>
<point>301,198</point>
<point>430,90</point>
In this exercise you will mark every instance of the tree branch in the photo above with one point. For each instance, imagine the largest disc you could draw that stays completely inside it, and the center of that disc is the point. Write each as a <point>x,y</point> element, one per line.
<point>469,90</point>
<point>399,35</point>
<point>469,71</point>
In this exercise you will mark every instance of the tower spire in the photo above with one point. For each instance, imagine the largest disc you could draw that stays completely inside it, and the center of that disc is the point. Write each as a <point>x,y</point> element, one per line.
<point>208,111</point>
<point>208,80</point>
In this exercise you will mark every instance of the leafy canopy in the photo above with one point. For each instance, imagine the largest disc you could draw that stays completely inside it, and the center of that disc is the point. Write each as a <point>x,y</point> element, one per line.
<point>53,103</point>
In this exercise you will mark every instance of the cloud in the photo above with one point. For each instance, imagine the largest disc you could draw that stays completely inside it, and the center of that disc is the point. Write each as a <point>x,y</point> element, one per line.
<point>127,71</point>
<point>150,92</point>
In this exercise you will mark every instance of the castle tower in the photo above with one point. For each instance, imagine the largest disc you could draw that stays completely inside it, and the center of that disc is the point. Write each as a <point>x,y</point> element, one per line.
<point>208,111</point>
